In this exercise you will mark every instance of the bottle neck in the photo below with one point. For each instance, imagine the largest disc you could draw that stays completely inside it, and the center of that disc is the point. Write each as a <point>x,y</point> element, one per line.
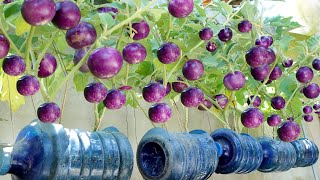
<point>5,158</point>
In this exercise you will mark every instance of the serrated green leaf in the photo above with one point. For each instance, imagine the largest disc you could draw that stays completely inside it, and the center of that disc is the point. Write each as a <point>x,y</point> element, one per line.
<point>106,19</point>
<point>80,81</point>
<point>21,26</point>
<point>145,68</point>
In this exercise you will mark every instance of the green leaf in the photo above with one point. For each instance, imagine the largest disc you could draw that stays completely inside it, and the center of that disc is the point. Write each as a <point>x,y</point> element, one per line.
<point>145,68</point>
<point>284,42</point>
<point>12,11</point>
<point>101,109</point>
<point>106,19</point>
<point>201,11</point>
<point>21,26</point>
<point>80,81</point>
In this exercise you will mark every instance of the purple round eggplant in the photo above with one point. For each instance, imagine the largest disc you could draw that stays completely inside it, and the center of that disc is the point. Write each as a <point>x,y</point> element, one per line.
<point>115,100</point>
<point>307,109</point>
<point>245,26</point>
<point>193,69</point>
<point>260,73</point>
<point>273,120</point>
<point>13,65</point>
<point>78,55</point>
<point>168,87</point>
<point>225,34</point>
<point>288,131</point>
<point>142,30</point>
<point>316,106</point>
<point>192,97</point>
<point>180,8</point>
<point>47,66</point>
<point>81,36</point>
<point>256,102</point>
<point>48,112</point>
<point>308,117</point>
<point>113,11</point>
<point>179,86</point>
<point>168,53</point>
<point>95,92</point>
<point>276,73</point>
<point>206,103</point>
<point>67,15</point>
<point>311,91</point>
<point>134,53</point>
<point>4,46</point>
<point>222,100</point>
<point>38,12</point>
<point>316,64</point>
<point>105,62</point>
<point>153,92</point>
<point>28,85</point>
<point>304,74</point>
<point>264,41</point>
<point>206,34</point>
<point>234,81</point>
<point>287,63</point>
<point>258,56</point>
<point>252,118</point>
<point>278,102</point>
<point>160,113</point>
<point>211,46</point>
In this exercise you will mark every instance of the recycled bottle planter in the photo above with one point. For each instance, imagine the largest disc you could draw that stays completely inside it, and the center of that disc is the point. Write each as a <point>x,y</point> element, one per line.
<point>241,152</point>
<point>307,152</point>
<point>277,155</point>
<point>164,155</point>
<point>49,151</point>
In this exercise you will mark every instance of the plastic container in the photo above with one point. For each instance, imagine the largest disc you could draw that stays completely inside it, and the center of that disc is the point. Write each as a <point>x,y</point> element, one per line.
<point>307,152</point>
<point>277,155</point>
<point>164,155</point>
<point>241,153</point>
<point>49,151</point>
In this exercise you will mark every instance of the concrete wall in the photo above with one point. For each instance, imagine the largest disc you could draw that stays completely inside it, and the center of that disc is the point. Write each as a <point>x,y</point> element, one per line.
<point>79,114</point>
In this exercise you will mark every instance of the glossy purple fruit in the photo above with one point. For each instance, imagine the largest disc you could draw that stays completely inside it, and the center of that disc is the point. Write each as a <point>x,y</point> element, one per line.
<point>222,100</point>
<point>78,55</point>
<point>206,34</point>
<point>271,56</point>
<point>38,12</point>
<point>278,102</point>
<point>206,103</point>
<point>264,41</point>
<point>245,26</point>
<point>316,64</point>
<point>153,92</point>
<point>288,131</point>
<point>168,53</point>
<point>234,81</point>
<point>115,99</point>
<point>113,11</point>
<point>192,97</point>
<point>211,46</point>
<point>308,117</point>
<point>307,109</point>
<point>83,35</point>
<point>311,91</point>
<point>274,120</point>
<point>168,87</point>
<point>48,112</point>
<point>287,63</point>
<point>252,118</point>
<point>304,74</point>
<point>256,102</point>
<point>105,62</point>
<point>13,65</point>
<point>275,73</point>
<point>4,46</point>
<point>95,92</point>
<point>180,8</point>
<point>193,69</point>
<point>67,15</point>
<point>160,113</point>
<point>142,30</point>
<point>48,66</point>
<point>316,106</point>
<point>225,34</point>
<point>179,86</point>
<point>28,85</point>
<point>257,56</point>
<point>125,88</point>
<point>134,53</point>
<point>260,73</point>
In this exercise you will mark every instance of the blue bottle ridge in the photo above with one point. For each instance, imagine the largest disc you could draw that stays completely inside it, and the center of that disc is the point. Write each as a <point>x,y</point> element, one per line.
<point>49,151</point>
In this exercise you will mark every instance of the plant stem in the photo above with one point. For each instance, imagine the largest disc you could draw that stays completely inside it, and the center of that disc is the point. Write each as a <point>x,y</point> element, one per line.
<point>232,15</point>
<point>225,111</point>
<point>219,118</point>
<point>164,77</point>
<point>10,40</point>
<point>291,97</point>
<point>127,73</point>
<point>29,44</point>
<point>302,61</point>
<point>63,102</point>
<point>186,124</point>
<point>196,46</point>
<point>97,119</point>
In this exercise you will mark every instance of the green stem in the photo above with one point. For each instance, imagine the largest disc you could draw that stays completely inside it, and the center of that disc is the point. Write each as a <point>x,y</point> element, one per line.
<point>291,97</point>
<point>197,45</point>
<point>214,114</point>
<point>127,73</point>
<point>29,44</point>
<point>186,124</point>
<point>302,61</point>
<point>169,27</point>
<point>10,40</point>
<point>164,76</point>
<point>97,119</point>
<point>44,91</point>
<point>232,15</point>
